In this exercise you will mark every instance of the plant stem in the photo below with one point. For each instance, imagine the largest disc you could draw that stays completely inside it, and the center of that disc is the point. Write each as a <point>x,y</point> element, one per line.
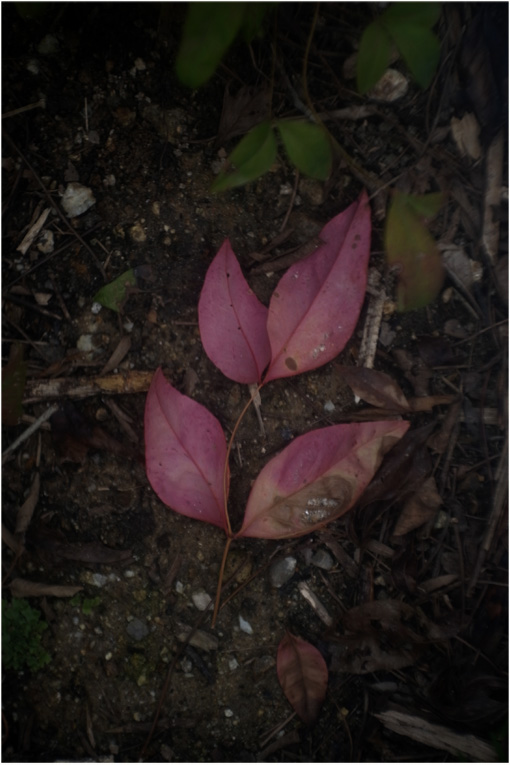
<point>226,482</point>
<point>371,181</point>
<point>220,580</point>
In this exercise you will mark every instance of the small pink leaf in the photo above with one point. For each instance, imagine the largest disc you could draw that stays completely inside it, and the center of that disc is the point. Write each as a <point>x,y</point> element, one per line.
<point>232,320</point>
<point>317,478</point>
<point>303,675</point>
<point>316,304</point>
<point>185,453</point>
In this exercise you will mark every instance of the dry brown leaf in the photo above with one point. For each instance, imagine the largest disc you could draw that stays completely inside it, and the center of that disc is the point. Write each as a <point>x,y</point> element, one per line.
<point>376,388</point>
<point>419,508</point>
<point>381,635</point>
<point>243,111</point>
<point>118,354</point>
<point>23,588</point>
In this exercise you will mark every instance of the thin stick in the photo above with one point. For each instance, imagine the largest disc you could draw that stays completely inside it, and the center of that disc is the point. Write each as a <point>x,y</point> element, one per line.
<point>28,432</point>
<point>220,580</point>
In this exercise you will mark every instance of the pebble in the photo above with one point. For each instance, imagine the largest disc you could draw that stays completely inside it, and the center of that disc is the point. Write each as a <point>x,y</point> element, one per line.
<point>228,712</point>
<point>329,407</point>
<point>282,570</point>
<point>245,626</point>
<point>137,629</point>
<point>323,559</point>
<point>77,199</point>
<point>201,600</point>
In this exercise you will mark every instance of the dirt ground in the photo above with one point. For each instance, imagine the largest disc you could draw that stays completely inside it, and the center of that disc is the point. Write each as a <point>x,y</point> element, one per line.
<point>430,643</point>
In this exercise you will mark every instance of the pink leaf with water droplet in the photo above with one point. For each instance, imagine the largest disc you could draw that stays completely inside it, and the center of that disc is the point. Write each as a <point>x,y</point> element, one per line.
<point>316,304</point>
<point>232,320</point>
<point>317,478</point>
<point>303,675</point>
<point>185,453</point>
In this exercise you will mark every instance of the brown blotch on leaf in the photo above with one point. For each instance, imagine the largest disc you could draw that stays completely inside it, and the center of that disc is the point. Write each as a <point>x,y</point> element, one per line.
<point>290,363</point>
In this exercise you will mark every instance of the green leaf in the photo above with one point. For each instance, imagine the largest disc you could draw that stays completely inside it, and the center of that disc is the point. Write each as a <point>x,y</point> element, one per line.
<point>419,48</point>
<point>114,294</point>
<point>410,246</point>
<point>426,206</point>
<point>373,56</point>
<point>209,30</point>
<point>308,147</point>
<point>253,17</point>
<point>13,385</point>
<point>252,157</point>
<point>419,14</point>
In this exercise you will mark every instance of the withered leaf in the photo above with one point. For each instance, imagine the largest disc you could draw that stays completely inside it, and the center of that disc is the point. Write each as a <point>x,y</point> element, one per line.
<point>376,388</point>
<point>242,111</point>
<point>382,635</point>
<point>403,470</point>
<point>419,508</point>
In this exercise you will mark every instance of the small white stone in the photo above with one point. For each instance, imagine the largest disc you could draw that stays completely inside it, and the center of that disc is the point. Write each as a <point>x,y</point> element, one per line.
<point>245,626</point>
<point>96,307</point>
<point>329,407</point>
<point>233,664</point>
<point>179,588</point>
<point>228,712</point>
<point>201,600</point>
<point>77,199</point>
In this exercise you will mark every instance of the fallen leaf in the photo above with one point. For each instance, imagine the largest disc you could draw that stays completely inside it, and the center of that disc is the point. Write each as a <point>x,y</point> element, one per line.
<point>316,304</point>
<point>23,588</point>
<point>242,111</point>
<point>303,676</point>
<point>114,294</point>
<point>382,635</point>
<point>317,478</point>
<point>376,388</point>
<point>121,350</point>
<point>404,469</point>
<point>419,508</point>
<point>232,320</point>
<point>410,246</point>
<point>185,452</point>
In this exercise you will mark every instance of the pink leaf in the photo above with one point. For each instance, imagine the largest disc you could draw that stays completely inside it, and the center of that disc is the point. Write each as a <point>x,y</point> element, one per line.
<point>232,320</point>
<point>317,478</point>
<point>316,304</point>
<point>185,453</point>
<point>303,675</point>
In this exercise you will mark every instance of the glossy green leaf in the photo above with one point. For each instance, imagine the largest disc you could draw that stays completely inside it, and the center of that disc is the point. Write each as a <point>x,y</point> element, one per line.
<point>252,157</point>
<point>419,14</point>
<point>114,294</point>
<point>13,385</point>
<point>410,246</point>
<point>373,56</point>
<point>209,30</point>
<point>308,147</point>
<point>420,50</point>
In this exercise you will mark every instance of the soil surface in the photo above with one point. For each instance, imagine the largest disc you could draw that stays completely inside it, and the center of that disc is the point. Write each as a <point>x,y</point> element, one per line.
<point>424,556</point>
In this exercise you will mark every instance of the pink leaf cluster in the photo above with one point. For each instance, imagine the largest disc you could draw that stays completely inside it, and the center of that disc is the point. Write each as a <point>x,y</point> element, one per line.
<point>312,314</point>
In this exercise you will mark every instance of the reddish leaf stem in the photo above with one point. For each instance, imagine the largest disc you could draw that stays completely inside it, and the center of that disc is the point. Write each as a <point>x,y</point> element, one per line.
<point>220,580</point>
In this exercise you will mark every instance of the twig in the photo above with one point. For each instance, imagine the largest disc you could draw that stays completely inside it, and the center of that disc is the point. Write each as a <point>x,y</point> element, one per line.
<point>28,432</point>
<point>291,203</point>
<point>22,109</point>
